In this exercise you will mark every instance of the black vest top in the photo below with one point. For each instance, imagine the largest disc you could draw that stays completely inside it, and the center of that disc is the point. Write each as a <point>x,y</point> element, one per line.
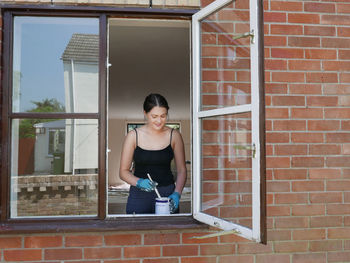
<point>154,162</point>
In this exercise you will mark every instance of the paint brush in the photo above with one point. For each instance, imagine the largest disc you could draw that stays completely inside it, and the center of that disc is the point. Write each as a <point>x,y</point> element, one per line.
<point>155,188</point>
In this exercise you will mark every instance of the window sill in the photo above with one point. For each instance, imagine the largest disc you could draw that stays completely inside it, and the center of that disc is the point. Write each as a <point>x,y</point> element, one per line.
<point>96,225</point>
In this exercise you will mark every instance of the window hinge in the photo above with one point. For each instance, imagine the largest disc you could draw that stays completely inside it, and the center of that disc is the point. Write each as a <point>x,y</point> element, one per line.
<point>109,64</point>
<point>246,34</point>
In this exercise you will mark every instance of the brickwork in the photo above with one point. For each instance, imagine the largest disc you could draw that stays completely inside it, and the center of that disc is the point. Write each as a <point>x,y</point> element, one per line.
<point>307,62</point>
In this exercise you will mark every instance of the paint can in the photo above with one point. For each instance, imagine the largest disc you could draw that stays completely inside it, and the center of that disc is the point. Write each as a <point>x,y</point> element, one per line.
<point>162,206</point>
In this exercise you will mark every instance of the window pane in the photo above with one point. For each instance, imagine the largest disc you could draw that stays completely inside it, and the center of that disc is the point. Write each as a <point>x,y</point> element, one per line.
<point>225,62</point>
<point>54,167</point>
<point>55,64</point>
<point>226,177</point>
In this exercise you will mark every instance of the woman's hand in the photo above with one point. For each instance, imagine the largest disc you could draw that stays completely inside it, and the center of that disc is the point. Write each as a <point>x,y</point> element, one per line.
<point>146,185</point>
<point>174,201</point>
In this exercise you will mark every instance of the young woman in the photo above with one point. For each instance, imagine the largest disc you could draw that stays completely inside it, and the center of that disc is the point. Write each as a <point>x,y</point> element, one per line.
<point>152,148</point>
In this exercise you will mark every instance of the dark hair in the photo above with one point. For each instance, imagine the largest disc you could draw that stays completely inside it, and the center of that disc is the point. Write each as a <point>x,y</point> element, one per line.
<point>153,100</point>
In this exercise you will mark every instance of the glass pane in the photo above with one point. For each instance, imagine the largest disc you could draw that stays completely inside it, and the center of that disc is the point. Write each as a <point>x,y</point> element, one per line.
<point>54,167</point>
<point>55,64</point>
<point>225,62</point>
<point>226,173</point>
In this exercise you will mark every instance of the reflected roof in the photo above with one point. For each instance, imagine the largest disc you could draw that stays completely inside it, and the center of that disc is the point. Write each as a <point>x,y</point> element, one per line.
<point>82,47</point>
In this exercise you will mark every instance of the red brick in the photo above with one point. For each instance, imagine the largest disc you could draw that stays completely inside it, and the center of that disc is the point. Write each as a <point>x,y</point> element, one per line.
<point>325,197</point>
<point>323,101</point>
<point>286,6</point>
<point>291,222</point>
<point>274,17</point>
<point>309,234</point>
<point>343,32</point>
<point>308,210</point>
<point>10,242</point>
<point>273,258</point>
<point>233,259</point>
<point>322,77</point>
<point>22,255</point>
<point>323,173</point>
<point>336,65</point>
<point>118,261</point>
<point>335,42</point>
<point>276,88</point>
<point>338,161</point>
<point>278,210</point>
<point>335,20</point>
<point>186,250</point>
<point>287,53</point>
<point>284,76</point>
<point>338,209</point>
<point>42,241</point>
<point>324,149</point>
<point>323,125</point>
<point>319,7</point>
<point>187,238</point>
<point>277,137</point>
<point>336,89</point>
<point>325,245</point>
<point>343,8</point>
<point>290,174</point>
<point>289,125</point>
<point>291,246</point>
<point>310,258</point>
<point>83,241</point>
<point>161,260</point>
<point>291,198</point>
<point>290,150</point>
<point>344,78</point>
<point>300,65</point>
<point>320,54</point>
<point>304,18</point>
<point>63,254</point>
<point>320,30</point>
<point>339,256</point>
<point>141,252</point>
<point>217,249</point>
<point>275,41</point>
<point>339,233</point>
<point>339,185</point>
<point>338,137</point>
<point>304,41</point>
<point>198,260</point>
<point>122,240</point>
<point>286,29</point>
<point>248,248</point>
<point>277,113</point>
<point>307,161</point>
<point>305,89</point>
<point>275,64</point>
<point>277,162</point>
<point>279,235</point>
<point>306,113</point>
<point>337,113</point>
<point>326,221</point>
<point>278,186</point>
<point>155,239</point>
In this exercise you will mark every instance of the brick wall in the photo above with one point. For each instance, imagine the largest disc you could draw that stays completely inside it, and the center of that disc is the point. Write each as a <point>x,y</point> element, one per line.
<point>308,146</point>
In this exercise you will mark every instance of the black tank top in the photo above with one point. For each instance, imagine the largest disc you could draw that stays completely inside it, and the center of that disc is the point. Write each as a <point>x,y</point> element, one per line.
<point>154,162</point>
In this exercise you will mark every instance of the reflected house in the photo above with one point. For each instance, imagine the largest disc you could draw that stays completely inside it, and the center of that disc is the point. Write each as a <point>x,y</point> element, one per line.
<point>73,140</point>
<point>80,63</point>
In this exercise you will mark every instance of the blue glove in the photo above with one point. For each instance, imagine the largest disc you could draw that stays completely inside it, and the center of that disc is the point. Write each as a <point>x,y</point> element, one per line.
<point>174,201</point>
<point>146,185</point>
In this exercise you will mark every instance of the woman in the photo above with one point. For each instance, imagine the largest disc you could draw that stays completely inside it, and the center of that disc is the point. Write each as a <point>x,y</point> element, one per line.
<point>152,147</point>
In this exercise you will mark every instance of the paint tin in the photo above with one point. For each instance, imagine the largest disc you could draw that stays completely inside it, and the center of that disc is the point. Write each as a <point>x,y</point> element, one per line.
<point>162,206</point>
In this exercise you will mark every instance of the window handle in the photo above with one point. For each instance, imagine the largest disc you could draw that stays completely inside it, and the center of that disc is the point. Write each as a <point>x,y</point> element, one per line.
<point>247,147</point>
<point>246,34</point>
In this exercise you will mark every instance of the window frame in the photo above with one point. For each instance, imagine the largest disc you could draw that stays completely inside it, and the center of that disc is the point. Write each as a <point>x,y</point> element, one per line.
<point>101,222</point>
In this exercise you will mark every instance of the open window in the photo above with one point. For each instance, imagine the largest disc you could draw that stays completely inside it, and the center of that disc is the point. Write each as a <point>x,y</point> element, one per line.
<point>228,117</point>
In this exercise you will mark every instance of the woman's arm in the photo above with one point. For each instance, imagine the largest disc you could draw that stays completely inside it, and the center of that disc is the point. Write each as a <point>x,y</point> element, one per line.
<point>126,159</point>
<point>179,154</point>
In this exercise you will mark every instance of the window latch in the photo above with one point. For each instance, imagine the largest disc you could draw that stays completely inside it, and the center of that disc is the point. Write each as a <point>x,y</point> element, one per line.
<point>246,34</point>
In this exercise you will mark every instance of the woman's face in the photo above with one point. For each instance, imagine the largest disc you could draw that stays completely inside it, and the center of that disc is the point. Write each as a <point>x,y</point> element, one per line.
<point>156,118</point>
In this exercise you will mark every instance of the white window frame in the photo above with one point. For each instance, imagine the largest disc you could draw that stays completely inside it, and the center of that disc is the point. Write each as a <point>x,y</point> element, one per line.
<point>257,115</point>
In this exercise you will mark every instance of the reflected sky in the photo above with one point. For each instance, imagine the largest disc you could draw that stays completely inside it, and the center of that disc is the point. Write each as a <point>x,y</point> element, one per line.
<point>39,43</point>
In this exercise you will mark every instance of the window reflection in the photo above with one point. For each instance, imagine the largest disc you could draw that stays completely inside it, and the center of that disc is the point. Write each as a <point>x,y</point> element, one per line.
<point>54,167</point>
<point>56,58</point>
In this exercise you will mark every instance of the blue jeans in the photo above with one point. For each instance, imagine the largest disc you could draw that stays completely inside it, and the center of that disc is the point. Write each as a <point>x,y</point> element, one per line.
<point>141,202</point>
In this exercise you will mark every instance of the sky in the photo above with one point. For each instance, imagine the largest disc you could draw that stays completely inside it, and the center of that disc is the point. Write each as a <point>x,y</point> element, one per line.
<point>39,43</point>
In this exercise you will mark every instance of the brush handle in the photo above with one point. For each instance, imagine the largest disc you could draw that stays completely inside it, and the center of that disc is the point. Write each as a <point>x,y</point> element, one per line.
<point>155,189</point>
